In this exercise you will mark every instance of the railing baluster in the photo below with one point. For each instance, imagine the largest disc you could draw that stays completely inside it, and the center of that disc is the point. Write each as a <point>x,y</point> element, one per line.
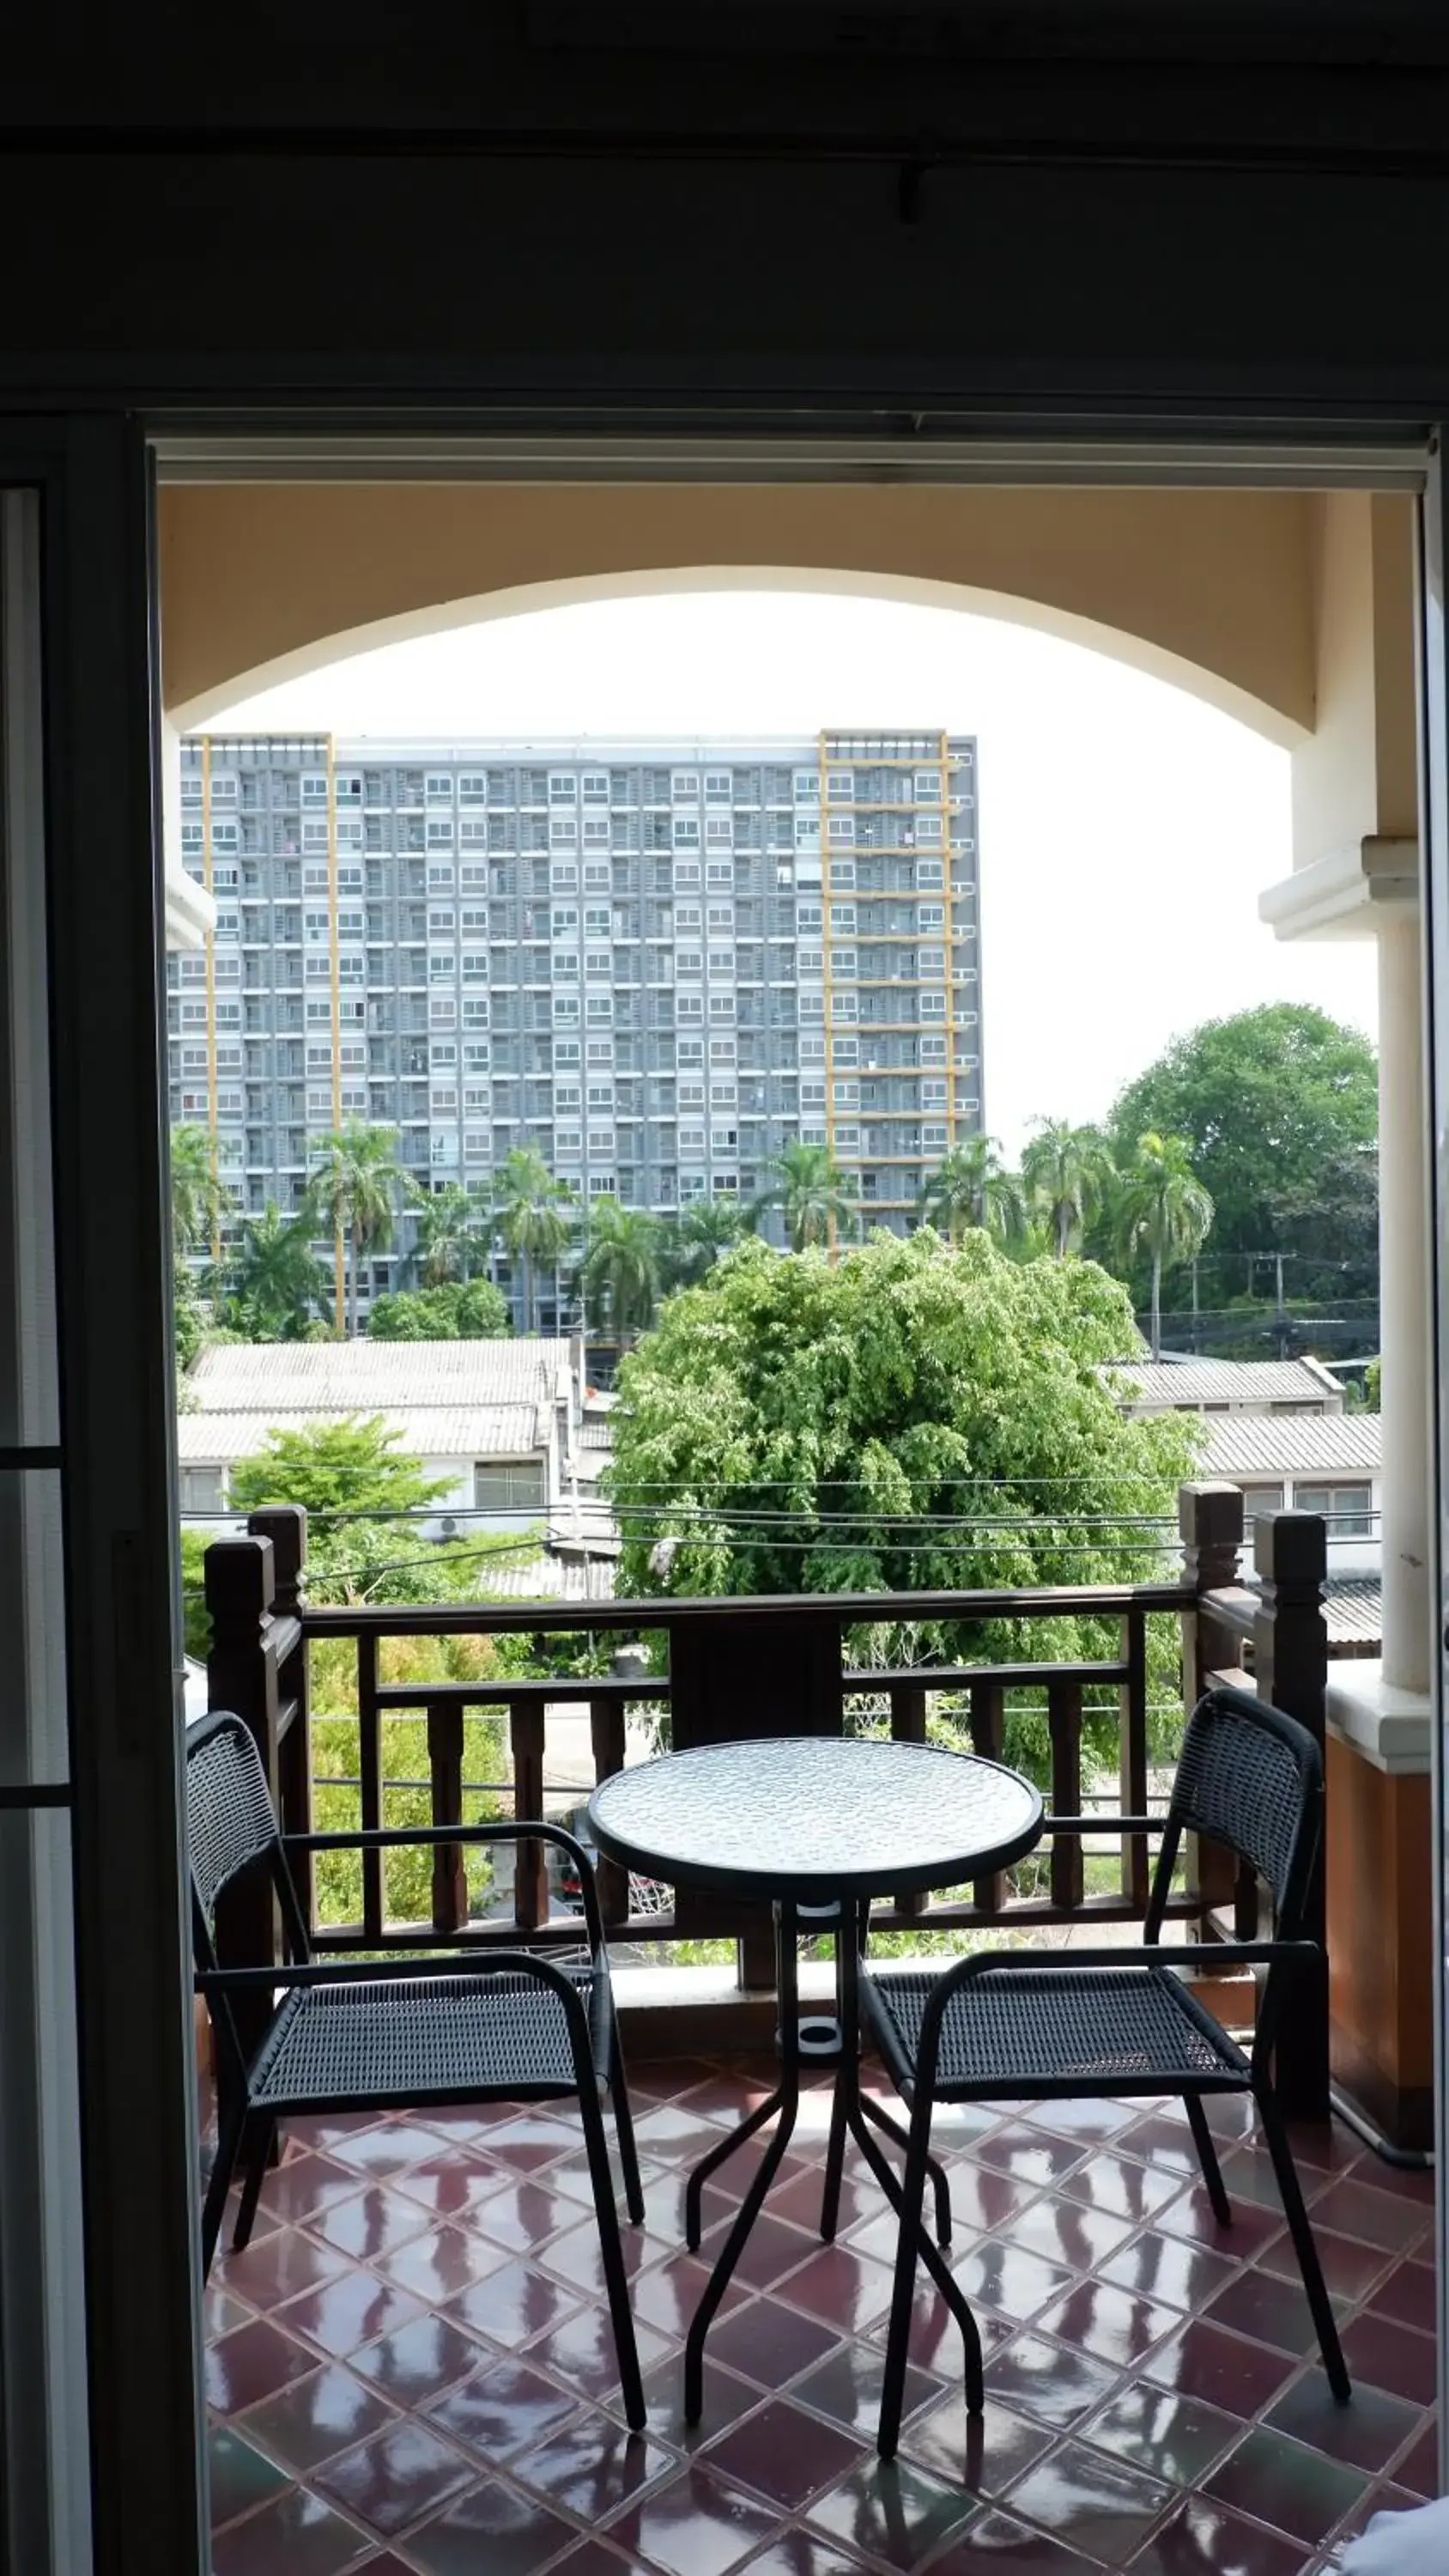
<point>369,1765</point>
<point>445,1765</point>
<point>988,1736</point>
<point>530,1886</point>
<point>285,1524</point>
<point>607,1730</point>
<point>1136,1865</point>
<point>1064,1717</point>
<point>908,1726</point>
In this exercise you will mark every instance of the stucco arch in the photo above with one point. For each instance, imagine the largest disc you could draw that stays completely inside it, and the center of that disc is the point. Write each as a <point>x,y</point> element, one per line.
<point>1213,591</point>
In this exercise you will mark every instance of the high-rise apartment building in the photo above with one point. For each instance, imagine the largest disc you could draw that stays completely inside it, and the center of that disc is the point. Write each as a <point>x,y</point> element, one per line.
<point>657,962</point>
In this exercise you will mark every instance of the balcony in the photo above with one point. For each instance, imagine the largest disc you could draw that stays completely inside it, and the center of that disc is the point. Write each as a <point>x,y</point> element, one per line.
<point>414,2357</point>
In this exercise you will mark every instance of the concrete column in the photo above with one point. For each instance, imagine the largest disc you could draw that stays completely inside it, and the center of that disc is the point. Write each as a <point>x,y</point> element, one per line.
<point>1404,1308</point>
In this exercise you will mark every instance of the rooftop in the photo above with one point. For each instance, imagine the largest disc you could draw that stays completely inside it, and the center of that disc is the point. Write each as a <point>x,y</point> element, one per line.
<point>1189,1384</point>
<point>258,1377</point>
<point>1299,1444</point>
<point>425,1431</point>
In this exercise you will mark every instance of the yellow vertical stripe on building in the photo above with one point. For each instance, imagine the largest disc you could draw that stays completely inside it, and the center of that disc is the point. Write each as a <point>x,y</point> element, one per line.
<point>947,864</point>
<point>825,963</point>
<point>208,878</point>
<point>336,978</point>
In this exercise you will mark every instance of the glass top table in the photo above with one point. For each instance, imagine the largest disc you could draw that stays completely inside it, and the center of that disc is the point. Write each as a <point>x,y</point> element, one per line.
<point>810,1823</point>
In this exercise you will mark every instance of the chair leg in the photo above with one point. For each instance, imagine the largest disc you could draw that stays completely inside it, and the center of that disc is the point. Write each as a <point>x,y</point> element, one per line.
<point>229,2138</point>
<point>263,2131</point>
<point>834,2164</point>
<point>1304,2247</point>
<point>877,2112</point>
<point>611,2247</point>
<point>1207,2156</point>
<point>913,2194</point>
<point>624,2124</point>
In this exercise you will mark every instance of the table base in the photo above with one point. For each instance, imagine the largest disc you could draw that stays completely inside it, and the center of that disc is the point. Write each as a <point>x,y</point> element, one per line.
<point>853,2113</point>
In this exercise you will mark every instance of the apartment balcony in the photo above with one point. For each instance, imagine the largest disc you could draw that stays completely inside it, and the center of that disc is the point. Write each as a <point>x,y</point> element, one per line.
<point>412,2357</point>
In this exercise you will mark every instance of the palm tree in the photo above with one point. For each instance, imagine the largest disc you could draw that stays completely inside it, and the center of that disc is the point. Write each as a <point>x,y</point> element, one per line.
<point>619,1273</point>
<point>355,1189</point>
<point>533,1212</point>
<point>811,1192</point>
<point>707,1229</point>
<point>200,1199</point>
<point>447,1235</point>
<point>971,1187</point>
<point>1066,1170</point>
<point>274,1278</point>
<point>1162,1210</point>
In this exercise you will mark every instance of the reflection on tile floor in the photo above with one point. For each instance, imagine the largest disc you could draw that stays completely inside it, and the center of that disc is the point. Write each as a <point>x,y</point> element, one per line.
<point>410,2370</point>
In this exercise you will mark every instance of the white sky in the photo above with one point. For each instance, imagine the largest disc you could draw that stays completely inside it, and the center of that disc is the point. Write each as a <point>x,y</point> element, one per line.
<point>1126,830</point>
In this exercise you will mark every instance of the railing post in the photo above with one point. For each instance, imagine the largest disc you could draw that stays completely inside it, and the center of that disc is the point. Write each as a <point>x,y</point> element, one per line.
<point>530,1883</point>
<point>1290,1666</point>
<point>607,1729</point>
<point>241,1674</point>
<point>285,1524</point>
<point>988,1738</point>
<point>1064,1722</point>
<point>1132,1766</point>
<point>1210,1520</point>
<point>445,1772</point>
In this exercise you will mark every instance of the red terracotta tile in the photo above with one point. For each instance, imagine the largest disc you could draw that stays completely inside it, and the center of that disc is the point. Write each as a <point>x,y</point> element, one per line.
<point>1065,2232</point>
<point>693,2526</point>
<point>1201,2538</point>
<point>353,2309</point>
<point>531,2141</point>
<point>1087,2118</point>
<point>1046,2382</point>
<point>890,2511</point>
<point>374,2221</point>
<point>1030,2157</point>
<point>512,2305</point>
<point>593,2467</point>
<point>667,2295</point>
<point>277,2267</point>
<point>1404,2182</point>
<point>505,2407</point>
<point>984,2453</point>
<point>999,2542</point>
<point>1270,2310</point>
<point>793,2553</point>
<point>1407,2294</point>
<point>581,2352</point>
<point>1349,2268</point>
<point>1206,2361</point>
<point>1281,2482</point>
<point>771,2250</point>
<point>387,2149</point>
<point>409,2365</point>
<point>842,2287</point>
<point>312,2419</point>
<point>1123,2189</point>
<point>770,2343</point>
<point>1168,2270</point>
<point>1391,2356</point>
<point>784,2455</point>
<point>846,2387</point>
<point>252,2364</point>
<point>1109,2505</point>
<point>442,2261</point>
<point>453,2183</point>
<point>1418,2468</point>
<point>296,2193</point>
<point>1247,2233</point>
<point>297,2534</point>
<point>398,2476</point>
<point>1109,2323</point>
<point>997,2275</point>
<point>1367,2434</point>
<point>492,2528</point>
<point>576,2257</point>
<point>1355,2207</point>
<point>519,2215</point>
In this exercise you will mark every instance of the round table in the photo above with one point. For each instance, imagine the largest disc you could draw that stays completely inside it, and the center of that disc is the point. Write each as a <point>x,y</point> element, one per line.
<point>809,1822</point>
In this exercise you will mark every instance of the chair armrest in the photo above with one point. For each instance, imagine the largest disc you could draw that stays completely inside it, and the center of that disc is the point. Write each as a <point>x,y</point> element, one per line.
<point>386,1837</point>
<point>379,1972</point>
<point>1200,1954</point>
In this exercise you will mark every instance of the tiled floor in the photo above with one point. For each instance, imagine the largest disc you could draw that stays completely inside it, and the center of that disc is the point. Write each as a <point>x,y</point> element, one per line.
<point>411,2369</point>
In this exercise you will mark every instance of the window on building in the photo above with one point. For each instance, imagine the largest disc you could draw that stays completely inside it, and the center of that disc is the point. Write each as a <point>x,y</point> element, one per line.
<point>202,1489</point>
<point>517,1486</point>
<point>1345,1507</point>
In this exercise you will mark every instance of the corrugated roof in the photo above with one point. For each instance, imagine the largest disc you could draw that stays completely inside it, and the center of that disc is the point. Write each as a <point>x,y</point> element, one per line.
<point>365,1376</point>
<point>1192,1382</point>
<point>427,1431</point>
<point>1354,1612</point>
<point>548,1578</point>
<point>1292,1444</point>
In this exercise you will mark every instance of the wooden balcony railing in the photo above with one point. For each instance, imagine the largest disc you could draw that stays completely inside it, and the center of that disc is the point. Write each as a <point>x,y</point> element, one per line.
<point>741,1668</point>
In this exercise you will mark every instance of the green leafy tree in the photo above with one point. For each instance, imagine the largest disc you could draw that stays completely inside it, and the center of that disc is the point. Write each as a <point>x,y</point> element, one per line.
<point>356,1188</point>
<point>450,1236</point>
<point>699,1238</point>
<point>972,1188</point>
<point>914,1418</point>
<point>1280,1108</point>
<point>474,1311</point>
<point>201,1203</point>
<point>814,1196</point>
<point>1162,1210</point>
<point>620,1270</point>
<point>274,1286</point>
<point>1066,1172</point>
<point>352,1466</point>
<point>535,1215</point>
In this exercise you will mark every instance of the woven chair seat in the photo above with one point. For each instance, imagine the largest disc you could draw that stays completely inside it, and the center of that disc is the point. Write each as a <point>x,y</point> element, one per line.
<point>1054,2026</point>
<point>468,2035</point>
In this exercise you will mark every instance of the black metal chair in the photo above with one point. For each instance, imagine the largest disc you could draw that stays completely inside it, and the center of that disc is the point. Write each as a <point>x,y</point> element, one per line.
<point>1004,2026</point>
<point>350,2036</point>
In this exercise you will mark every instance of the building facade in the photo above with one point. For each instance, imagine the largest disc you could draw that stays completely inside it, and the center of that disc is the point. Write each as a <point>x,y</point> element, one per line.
<point>654,962</point>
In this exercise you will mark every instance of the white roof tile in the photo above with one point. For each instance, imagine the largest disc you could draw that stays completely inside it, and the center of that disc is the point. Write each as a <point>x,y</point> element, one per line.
<point>1194,1382</point>
<point>426,1431</point>
<point>365,1376</point>
<point>1292,1444</point>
